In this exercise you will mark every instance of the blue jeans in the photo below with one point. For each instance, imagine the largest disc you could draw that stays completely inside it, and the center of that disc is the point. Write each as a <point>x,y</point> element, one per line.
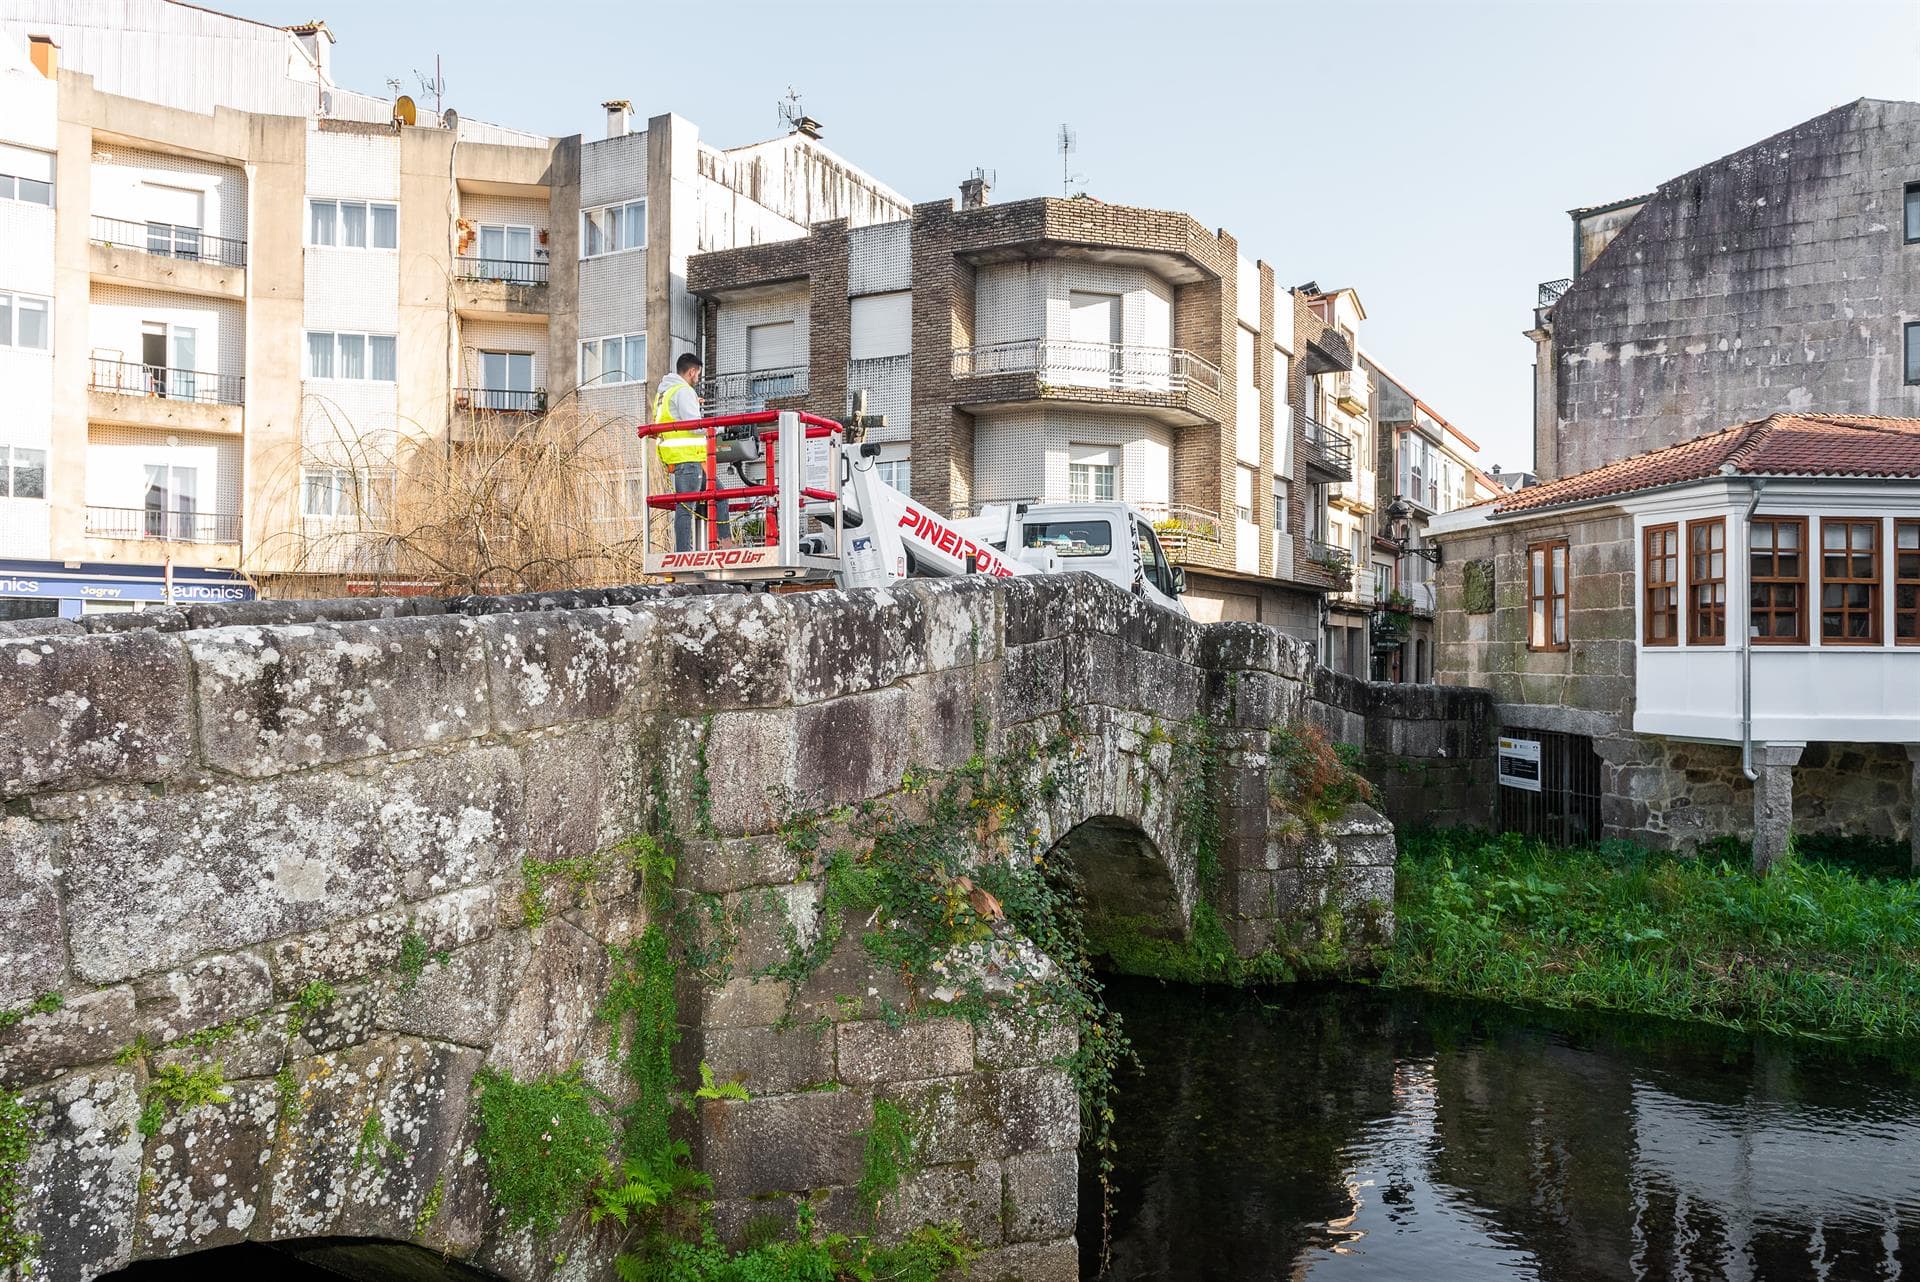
<point>690,478</point>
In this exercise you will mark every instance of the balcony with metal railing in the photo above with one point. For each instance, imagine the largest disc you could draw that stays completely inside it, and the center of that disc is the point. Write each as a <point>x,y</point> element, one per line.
<point>1189,535</point>
<point>500,401</point>
<point>170,240</point>
<point>1336,562</point>
<point>1326,455</point>
<point>140,395</point>
<point>744,391</point>
<point>1170,383</point>
<point>132,378</point>
<point>166,256</point>
<point>512,271</point>
<point>166,525</point>
<point>1552,290</point>
<point>500,288</point>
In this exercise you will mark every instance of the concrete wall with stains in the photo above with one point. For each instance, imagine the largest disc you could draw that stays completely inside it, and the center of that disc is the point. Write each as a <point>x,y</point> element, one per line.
<point>1776,278</point>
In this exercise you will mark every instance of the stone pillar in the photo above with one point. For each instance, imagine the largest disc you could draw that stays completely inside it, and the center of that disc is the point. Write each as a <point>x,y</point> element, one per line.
<point>1773,802</point>
<point>1913,808</point>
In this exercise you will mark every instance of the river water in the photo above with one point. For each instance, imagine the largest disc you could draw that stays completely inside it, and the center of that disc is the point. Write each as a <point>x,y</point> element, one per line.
<point>1345,1133</point>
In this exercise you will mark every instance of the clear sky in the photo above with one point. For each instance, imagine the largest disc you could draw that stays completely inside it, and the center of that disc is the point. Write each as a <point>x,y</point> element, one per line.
<point>1424,153</point>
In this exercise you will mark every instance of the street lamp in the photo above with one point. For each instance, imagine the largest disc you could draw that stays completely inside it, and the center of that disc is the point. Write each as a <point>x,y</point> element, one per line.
<point>1400,532</point>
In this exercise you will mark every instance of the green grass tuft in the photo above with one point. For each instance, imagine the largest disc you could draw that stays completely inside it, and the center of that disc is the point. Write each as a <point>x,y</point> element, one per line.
<point>544,1143</point>
<point>175,1089</point>
<point>889,1157</point>
<point>17,1246</point>
<point>1812,950</point>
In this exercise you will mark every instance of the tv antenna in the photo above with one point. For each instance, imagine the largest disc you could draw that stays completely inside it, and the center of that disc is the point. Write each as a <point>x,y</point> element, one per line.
<point>794,116</point>
<point>1067,144</point>
<point>789,109</point>
<point>393,85</point>
<point>434,84</point>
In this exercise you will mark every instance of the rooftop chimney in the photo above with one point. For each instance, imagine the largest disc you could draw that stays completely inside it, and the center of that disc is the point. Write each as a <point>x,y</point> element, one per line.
<point>975,189</point>
<point>46,56</point>
<point>317,40</point>
<point>619,112</point>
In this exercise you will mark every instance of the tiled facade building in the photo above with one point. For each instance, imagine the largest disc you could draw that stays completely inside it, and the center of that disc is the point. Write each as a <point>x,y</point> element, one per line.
<point>232,287</point>
<point>1058,349</point>
<point>1774,279</point>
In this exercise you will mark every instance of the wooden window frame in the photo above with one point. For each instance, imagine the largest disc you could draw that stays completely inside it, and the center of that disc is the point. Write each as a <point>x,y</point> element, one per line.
<point>1803,581</point>
<point>1895,582</point>
<point>1648,586</point>
<point>1696,580</point>
<point>1548,596</point>
<point>1876,615</point>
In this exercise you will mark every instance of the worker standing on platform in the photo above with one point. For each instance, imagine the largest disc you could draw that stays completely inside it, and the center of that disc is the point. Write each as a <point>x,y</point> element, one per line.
<point>684,453</point>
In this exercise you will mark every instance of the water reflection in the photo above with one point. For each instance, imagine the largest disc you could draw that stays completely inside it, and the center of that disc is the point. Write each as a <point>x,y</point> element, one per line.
<point>1347,1134</point>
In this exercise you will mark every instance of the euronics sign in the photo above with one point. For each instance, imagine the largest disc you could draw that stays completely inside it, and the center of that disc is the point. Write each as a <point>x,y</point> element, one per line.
<point>1520,763</point>
<point>43,580</point>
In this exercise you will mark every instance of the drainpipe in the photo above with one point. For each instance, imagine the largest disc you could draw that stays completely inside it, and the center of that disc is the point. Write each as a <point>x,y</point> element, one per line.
<point>1746,637</point>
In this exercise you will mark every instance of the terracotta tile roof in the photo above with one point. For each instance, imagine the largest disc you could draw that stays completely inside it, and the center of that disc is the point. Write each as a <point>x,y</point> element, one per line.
<point>1781,445</point>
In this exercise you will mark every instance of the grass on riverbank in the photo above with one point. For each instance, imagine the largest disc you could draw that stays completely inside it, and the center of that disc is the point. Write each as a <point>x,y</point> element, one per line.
<point>1813,950</point>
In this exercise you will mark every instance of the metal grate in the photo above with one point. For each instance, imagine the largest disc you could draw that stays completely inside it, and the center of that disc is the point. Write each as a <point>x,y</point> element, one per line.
<point>1566,810</point>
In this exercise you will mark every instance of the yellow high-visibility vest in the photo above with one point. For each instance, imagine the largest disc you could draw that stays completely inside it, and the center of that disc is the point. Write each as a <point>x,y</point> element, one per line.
<point>677,447</point>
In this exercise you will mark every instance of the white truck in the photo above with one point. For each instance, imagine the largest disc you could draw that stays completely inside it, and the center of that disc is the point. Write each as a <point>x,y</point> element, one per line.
<point>816,508</point>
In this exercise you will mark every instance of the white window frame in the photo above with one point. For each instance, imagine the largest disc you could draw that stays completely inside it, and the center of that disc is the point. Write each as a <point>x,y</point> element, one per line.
<point>10,185</point>
<point>626,376</point>
<point>10,334</point>
<point>1086,481</point>
<point>536,252</point>
<point>10,464</point>
<point>12,160</point>
<point>366,339</point>
<point>627,223</point>
<point>348,482</point>
<point>339,223</point>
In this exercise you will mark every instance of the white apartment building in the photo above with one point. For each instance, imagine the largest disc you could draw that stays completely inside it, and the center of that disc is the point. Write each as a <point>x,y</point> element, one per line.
<point>232,289</point>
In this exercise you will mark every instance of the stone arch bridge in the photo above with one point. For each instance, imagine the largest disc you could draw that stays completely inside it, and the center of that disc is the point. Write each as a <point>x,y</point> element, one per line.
<point>227,829</point>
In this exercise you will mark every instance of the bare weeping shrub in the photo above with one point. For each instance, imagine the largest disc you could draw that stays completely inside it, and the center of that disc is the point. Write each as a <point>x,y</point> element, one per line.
<point>505,503</point>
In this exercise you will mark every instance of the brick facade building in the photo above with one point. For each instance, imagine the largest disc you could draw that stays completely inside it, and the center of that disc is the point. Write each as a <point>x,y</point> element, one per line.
<point>1050,349</point>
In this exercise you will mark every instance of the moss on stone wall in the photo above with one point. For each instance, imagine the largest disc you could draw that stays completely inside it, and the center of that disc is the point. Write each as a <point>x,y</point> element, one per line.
<point>16,1138</point>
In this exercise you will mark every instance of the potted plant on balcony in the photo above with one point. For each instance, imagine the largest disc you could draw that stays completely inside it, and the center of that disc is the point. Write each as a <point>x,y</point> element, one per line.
<point>1338,565</point>
<point>1390,628</point>
<point>1176,531</point>
<point>1399,602</point>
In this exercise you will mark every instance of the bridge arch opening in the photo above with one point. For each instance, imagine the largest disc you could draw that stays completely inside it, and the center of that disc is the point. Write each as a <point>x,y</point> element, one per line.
<point>306,1260</point>
<point>1126,887</point>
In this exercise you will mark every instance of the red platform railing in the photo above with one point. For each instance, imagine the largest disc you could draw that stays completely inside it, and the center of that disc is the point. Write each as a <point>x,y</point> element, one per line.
<point>715,494</point>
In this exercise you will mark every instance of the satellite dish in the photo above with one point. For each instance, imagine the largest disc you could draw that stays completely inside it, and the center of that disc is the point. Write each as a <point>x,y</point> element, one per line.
<point>449,119</point>
<point>326,102</point>
<point>403,110</point>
